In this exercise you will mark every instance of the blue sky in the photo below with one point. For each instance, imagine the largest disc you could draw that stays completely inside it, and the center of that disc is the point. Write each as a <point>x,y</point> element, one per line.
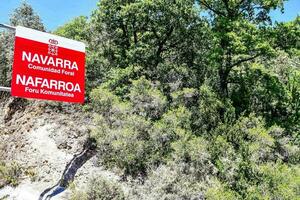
<point>291,10</point>
<point>55,13</point>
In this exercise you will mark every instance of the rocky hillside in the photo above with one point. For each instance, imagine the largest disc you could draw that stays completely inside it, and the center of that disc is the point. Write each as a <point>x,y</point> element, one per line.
<point>42,138</point>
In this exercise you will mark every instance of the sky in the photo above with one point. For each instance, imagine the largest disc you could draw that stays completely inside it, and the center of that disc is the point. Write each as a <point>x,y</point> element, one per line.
<point>291,10</point>
<point>55,13</point>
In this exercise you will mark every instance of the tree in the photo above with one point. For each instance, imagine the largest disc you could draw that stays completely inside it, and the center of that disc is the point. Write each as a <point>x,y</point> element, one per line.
<point>75,29</point>
<point>162,37</point>
<point>155,68</point>
<point>6,57</point>
<point>287,36</point>
<point>24,16</point>
<point>240,29</point>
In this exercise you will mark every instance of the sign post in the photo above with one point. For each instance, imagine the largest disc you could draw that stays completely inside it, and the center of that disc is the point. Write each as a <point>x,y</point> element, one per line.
<point>6,89</point>
<point>7,27</point>
<point>48,67</point>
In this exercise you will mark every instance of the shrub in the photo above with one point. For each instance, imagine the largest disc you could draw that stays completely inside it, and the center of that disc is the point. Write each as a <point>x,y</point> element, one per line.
<point>211,111</point>
<point>174,125</point>
<point>101,189</point>
<point>221,192</point>
<point>192,153</point>
<point>9,174</point>
<point>277,181</point>
<point>146,99</point>
<point>185,97</point>
<point>169,182</point>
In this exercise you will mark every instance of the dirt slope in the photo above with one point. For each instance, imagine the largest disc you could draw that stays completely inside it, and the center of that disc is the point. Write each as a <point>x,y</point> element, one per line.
<point>42,138</point>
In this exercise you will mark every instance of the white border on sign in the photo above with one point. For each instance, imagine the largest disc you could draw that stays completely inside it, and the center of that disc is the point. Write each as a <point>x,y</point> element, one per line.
<point>43,37</point>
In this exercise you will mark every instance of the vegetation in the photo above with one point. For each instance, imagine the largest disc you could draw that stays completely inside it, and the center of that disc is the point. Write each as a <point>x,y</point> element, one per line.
<point>9,174</point>
<point>100,189</point>
<point>23,16</point>
<point>191,105</point>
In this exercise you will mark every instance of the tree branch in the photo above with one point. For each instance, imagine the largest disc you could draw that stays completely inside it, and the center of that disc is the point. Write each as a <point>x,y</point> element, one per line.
<point>211,8</point>
<point>135,37</point>
<point>162,43</point>
<point>245,60</point>
<point>226,6</point>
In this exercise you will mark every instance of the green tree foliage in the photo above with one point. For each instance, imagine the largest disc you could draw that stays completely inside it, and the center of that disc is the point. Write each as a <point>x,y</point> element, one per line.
<point>265,94</point>
<point>150,34</point>
<point>192,99</point>
<point>240,33</point>
<point>197,106</point>
<point>75,29</point>
<point>136,29</point>
<point>23,16</point>
<point>79,29</point>
<point>6,57</point>
<point>287,36</point>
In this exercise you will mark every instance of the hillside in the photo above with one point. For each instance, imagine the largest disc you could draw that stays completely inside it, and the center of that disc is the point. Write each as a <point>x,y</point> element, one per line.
<point>42,139</point>
<point>184,100</point>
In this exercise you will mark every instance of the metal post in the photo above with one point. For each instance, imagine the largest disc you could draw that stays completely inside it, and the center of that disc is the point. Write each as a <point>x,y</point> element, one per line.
<point>7,27</point>
<point>5,89</point>
<point>11,28</point>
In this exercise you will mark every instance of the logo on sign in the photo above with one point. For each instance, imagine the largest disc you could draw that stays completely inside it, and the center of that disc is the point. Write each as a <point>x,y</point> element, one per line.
<point>52,47</point>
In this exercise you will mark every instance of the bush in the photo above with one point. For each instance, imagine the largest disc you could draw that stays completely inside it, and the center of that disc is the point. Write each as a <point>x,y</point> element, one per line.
<point>101,189</point>
<point>211,111</point>
<point>221,192</point>
<point>192,153</point>
<point>185,97</point>
<point>243,154</point>
<point>277,181</point>
<point>169,182</point>
<point>9,174</point>
<point>126,145</point>
<point>146,99</point>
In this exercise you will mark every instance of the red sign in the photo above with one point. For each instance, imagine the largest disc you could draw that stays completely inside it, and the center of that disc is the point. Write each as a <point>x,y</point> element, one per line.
<point>48,67</point>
